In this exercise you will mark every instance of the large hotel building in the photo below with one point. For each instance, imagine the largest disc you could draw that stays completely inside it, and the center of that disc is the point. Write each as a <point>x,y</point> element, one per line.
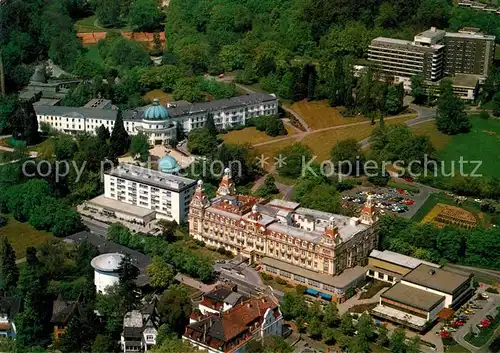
<point>465,57</point>
<point>314,248</point>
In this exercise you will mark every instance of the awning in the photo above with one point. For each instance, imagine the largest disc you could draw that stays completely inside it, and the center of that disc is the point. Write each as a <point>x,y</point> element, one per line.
<point>311,291</point>
<point>325,296</point>
<point>445,314</point>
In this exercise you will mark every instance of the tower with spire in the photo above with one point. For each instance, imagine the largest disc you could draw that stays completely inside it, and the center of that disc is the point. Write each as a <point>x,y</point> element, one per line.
<point>226,186</point>
<point>369,214</point>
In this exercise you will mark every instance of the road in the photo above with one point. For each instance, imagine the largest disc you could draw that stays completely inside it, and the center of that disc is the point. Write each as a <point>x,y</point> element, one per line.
<point>96,227</point>
<point>489,308</point>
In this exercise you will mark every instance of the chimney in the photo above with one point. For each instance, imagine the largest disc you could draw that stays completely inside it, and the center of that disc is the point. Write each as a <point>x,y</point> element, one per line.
<point>433,29</point>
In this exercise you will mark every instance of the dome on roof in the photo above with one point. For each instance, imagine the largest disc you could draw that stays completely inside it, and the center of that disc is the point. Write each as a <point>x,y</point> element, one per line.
<point>107,262</point>
<point>156,111</point>
<point>168,164</point>
<point>38,76</point>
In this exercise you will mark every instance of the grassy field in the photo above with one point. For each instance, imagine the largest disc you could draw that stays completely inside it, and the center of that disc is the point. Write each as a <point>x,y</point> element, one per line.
<point>93,53</point>
<point>251,135</point>
<point>434,199</point>
<point>322,142</point>
<point>88,25</point>
<point>163,97</point>
<point>481,144</point>
<point>22,235</point>
<point>438,139</point>
<point>318,114</point>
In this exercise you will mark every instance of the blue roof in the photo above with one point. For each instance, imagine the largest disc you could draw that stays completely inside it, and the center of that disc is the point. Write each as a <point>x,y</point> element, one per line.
<point>325,296</point>
<point>168,164</point>
<point>156,111</point>
<point>311,291</point>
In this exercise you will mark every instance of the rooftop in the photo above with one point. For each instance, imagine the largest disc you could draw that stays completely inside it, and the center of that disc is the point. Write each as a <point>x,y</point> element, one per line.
<point>107,262</point>
<point>62,311</point>
<point>470,36</point>
<point>413,297</point>
<point>436,278</point>
<point>399,259</point>
<point>78,112</point>
<point>105,246</point>
<point>340,281</point>
<point>466,80</point>
<point>152,177</point>
<point>122,207</point>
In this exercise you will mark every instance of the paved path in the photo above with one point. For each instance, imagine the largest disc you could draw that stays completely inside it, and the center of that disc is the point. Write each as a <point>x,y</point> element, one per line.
<point>191,282</point>
<point>345,306</point>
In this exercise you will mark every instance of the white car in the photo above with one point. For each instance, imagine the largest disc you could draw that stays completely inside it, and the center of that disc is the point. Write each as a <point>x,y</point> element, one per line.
<point>478,200</point>
<point>484,295</point>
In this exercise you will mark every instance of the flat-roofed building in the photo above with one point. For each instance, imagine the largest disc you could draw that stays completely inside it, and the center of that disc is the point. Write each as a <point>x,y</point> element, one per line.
<point>422,294</point>
<point>452,285</point>
<point>139,195</point>
<point>409,306</point>
<point>389,266</point>
<point>468,52</point>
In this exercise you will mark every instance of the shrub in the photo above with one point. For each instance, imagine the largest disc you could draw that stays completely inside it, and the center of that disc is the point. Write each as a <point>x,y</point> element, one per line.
<point>3,221</point>
<point>484,115</point>
<point>266,277</point>
<point>492,290</point>
<point>281,281</point>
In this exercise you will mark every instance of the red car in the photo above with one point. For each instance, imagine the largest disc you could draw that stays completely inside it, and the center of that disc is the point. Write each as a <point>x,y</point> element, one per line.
<point>445,334</point>
<point>457,323</point>
<point>485,322</point>
<point>409,179</point>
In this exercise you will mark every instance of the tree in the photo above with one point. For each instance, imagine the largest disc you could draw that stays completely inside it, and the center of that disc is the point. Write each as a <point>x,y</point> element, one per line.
<point>161,273</point>
<point>293,306</point>
<point>496,104</point>
<point>103,344</point>
<point>25,126</point>
<point>108,12</point>
<point>337,89</point>
<point>103,134</point>
<point>144,15</point>
<point>128,273</point>
<point>382,339</point>
<point>269,188</point>
<point>365,328</point>
<point>294,159</point>
<point>168,229</point>
<point>397,341</point>
<point>187,89</point>
<point>346,324</point>
<point>9,273</point>
<point>315,198</point>
<point>112,308</point>
<point>201,142</point>
<point>210,124</point>
<point>174,308</point>
<point>173,345</point>
<point>314,329</point>
<point>275,127</point>
<point>359,345</point>
<point>331,315</point>
<point>81,331</point>
<point>347,157</point>
<point>484,115</point>
<point>329,335</point>
<point>417,89</point>
<point>394,99</point>
<point>65,147</point>
<point>451,118</point>
<point>119,140</point>
<point>413,345</point>
<point>139,146</point>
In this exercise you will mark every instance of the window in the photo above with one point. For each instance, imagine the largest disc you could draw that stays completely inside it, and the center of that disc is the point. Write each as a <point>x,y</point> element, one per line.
<point>380,275</point>
<point>371,273</point>
<point>150,337</point>
<point>390,278</point>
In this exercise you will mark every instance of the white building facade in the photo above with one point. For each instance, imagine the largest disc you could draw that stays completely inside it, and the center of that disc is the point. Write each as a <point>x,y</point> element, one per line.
<point>158,122</point>
<point>166,194</point>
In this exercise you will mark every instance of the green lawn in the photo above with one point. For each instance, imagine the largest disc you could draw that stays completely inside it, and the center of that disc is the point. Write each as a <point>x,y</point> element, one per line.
<point>89,24</point>
<point>481,144</point>
<point>22,235</point>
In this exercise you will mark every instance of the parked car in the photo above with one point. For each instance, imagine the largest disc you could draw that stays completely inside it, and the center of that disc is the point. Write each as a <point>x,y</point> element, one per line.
<point>409,179</point>
<point>469,312</point>
<point>484,295</point>
<point>489,317</point>
<point>457,323</point>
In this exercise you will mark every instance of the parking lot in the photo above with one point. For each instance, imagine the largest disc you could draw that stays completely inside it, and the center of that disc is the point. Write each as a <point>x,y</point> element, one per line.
<point>386,200</point>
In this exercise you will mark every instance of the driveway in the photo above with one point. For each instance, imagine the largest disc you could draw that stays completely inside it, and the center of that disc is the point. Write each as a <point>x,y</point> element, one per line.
<point>489,307</point>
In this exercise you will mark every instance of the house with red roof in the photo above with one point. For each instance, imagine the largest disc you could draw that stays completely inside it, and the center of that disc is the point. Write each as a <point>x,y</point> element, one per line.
<point>229,331</point>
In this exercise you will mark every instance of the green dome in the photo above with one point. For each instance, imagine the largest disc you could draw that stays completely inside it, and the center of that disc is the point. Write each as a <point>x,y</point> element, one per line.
<point>168,164</point>
<point>156,111</point>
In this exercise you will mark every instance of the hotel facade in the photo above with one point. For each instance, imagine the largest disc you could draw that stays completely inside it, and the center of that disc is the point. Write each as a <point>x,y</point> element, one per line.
<point>303,242</point>
<point>160,123</point>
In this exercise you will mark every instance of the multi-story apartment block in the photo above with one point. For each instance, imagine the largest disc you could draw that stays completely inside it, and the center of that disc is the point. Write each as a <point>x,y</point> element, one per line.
<point>468,52</point>
<point>158,122</point>
<point>435,54</point>
<point>281,232</point>
<point>402,59</point>
<point>139,195</point>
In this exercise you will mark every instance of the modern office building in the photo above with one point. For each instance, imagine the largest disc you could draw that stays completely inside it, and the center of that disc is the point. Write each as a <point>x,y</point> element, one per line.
<point>160,123</point>
<point>436,54</point>
<point>283,233</point>
<point>423,295</point>
<point>140,195</point>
